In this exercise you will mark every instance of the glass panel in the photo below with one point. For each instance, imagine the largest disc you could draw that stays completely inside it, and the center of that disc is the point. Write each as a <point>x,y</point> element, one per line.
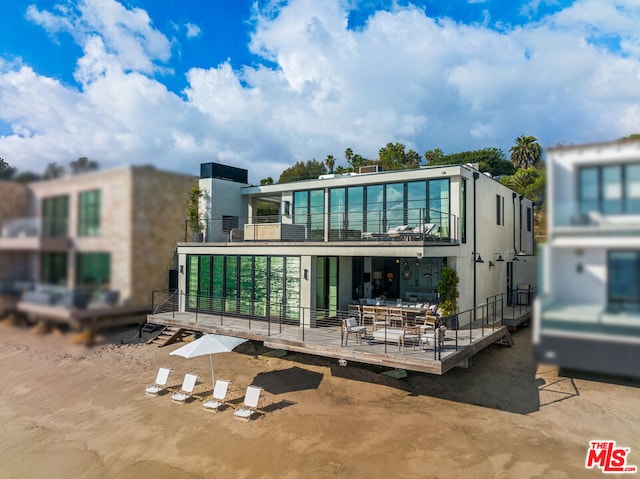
<point>276,284</point>
<point>632,188</point>
<point>55,216</point>
<point>588,189</point>
<point>624,281</point>
<point>316,212</point>
<point>439,206</point>
<point>333,286</point>
<point>612,190</point>
<point>89,213</point>
<point>54,268</point>
<point>293,288</point>
<point>321,285</point>
<point>395,205</point>
<point>93,271</point>
<point>463,210</point>
<point>260,286</point>
<point>375,205</point>
<point>231,284</point>
<point>246,284</point>
<point>355,205</point>
<point>217,280</point>
<point>416,203</point>
<point>192,280</point>
<point>204,283</point>
<point>300,207</point>
<point>337,220</point>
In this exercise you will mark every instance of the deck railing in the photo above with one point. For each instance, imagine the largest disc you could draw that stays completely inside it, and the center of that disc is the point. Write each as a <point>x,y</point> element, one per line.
<point>329,227</point>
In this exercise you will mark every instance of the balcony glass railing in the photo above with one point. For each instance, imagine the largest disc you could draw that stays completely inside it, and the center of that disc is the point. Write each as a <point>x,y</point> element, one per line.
<point>425,226</point>
<point>576,215</point>
<point>21,227</point>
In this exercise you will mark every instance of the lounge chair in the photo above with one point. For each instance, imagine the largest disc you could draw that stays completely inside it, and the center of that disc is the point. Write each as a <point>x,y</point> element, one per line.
<point>186,391</point>
<point>219,396</point>
<point>160,384</point>
<point>350,326</point>
<point>250,404</point>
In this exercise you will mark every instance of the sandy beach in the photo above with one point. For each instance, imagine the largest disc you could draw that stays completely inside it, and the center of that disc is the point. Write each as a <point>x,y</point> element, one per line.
<point>75,412</point>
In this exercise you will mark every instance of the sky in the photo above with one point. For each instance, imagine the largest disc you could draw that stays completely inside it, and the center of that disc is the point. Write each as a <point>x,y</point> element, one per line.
<point>263,84</point>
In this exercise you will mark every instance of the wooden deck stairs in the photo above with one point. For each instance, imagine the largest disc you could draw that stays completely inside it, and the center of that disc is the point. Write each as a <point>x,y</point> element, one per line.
<point>505,340</point>
<point>169,335</point>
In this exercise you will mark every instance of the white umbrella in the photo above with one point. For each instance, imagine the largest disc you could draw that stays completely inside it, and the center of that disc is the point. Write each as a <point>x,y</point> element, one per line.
<point>208,344</point>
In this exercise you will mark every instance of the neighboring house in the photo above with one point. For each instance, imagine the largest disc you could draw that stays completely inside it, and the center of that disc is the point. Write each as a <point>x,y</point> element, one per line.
<point>92,244</point>
<point>353,238</point>
<point>588,312</point>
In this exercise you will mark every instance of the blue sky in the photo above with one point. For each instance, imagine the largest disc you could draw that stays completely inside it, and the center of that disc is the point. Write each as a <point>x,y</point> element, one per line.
<point>261,85</point>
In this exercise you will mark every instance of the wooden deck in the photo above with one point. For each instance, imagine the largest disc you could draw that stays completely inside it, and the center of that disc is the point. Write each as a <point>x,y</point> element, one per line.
<point>456,349</point>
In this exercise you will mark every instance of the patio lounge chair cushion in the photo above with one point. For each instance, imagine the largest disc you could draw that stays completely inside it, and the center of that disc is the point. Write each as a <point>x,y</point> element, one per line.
<point>250,404</point>
<point>219,396</point>
<point>186,390</point>
<point>161,382</point>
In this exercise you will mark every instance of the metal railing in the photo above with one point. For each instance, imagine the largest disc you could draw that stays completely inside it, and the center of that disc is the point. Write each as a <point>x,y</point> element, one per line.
<point>329,227</point>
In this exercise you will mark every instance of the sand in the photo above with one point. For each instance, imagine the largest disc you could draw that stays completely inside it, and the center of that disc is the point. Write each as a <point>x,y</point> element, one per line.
<point>72,412</point>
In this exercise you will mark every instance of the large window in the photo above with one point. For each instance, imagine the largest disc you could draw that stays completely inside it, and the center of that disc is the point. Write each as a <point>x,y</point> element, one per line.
<point>308,210</point>
<point>89,213</point>
<point>54,268</point>
<point>624,281</point>
<point>55,216</point>
<point>93,270</point>
<point>612,189</point>
<point>247,285</point>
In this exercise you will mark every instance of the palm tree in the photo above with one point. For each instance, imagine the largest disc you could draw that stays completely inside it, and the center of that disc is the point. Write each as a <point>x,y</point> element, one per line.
<point>526,152</point>
<point>330,162</point>
<point>348,154</point>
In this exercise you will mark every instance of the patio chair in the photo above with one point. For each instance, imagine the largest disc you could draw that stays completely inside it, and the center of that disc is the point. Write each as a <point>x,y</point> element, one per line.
<point>161,382</point>
<point>219,396</point>
<point>250,403</point>
<point>350,326</point>
<point>186,391</point>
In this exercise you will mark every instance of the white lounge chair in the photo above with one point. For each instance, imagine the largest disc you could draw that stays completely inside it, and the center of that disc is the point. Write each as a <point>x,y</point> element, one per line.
<point>186,390</point>
<point>350,326</point>
<point>219,396</point>
<point>250,404</point>
<point>160,384</point>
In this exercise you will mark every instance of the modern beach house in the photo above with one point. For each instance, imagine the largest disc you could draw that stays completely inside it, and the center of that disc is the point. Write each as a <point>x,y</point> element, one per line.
<point>587,316</point>
<point>284,263</point>
<point>79,248</point>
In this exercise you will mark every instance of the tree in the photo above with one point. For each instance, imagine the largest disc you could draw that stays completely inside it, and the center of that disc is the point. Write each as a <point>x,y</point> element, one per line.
<point>393,157</point>
<point>82,165</point>
<point>433,157</point>
<point>490,160</point>
<point>26,177</point>
<point>330,162</point>
<point>266,181</point>
<point>631,137</point>
<point>53,171</point>
<point>448,290</point>
<point>348,155</point>
<point>193,210</point>
<point>529,183</point>
<point>6,171</point>
<point>303,171</point>
<point>526,152</point>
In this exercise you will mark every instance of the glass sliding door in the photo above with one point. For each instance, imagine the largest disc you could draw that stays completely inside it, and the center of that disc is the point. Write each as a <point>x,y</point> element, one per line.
<point>624,281</point>
<point>376,222</point>
<point>276,286</point>
<point>245,295</point>
<point>337,214</point>
<point>292,288</point>
<point>192,281</point>
<point>416,203</point>
<point>204,284</point>
<point>231,284</point>
<point>395,206</point>
<point>327,285</point>
<point>260,283</point>
<point>355,212</point>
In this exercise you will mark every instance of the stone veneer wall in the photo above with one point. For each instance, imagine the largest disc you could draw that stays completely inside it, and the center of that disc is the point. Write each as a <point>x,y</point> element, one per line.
<point>14,203</point>
<point>158,221</point>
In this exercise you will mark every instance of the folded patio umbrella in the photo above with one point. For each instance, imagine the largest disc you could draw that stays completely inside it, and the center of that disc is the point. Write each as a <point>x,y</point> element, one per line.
<point>208,344</point>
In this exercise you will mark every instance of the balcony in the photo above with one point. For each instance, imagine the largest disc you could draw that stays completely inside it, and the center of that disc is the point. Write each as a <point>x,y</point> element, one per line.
<point>572,218</point>
<point>418,226</point>
<point>27,234</point>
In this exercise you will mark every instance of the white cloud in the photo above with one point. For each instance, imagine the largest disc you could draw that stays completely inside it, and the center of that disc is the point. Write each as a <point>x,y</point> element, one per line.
<point>193,30</point>
<point>403,76</point>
